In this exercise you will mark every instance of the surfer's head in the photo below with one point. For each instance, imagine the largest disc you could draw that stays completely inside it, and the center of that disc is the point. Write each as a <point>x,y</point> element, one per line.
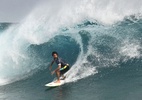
<point>55,54</point>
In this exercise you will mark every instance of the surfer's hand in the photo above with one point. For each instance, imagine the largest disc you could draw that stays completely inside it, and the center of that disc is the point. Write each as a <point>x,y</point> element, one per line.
<point>52,72</point>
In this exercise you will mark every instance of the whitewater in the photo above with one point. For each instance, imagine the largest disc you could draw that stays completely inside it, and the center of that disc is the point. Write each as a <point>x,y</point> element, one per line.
<point>94,36</point>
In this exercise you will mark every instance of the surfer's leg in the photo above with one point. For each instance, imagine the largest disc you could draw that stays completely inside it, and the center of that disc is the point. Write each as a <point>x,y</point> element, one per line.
<point>62,72</point>
<point>63,77</point>
<point>58,76</point>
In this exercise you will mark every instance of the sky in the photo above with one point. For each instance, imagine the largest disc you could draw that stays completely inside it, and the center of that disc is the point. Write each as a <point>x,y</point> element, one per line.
<point>16,10</point>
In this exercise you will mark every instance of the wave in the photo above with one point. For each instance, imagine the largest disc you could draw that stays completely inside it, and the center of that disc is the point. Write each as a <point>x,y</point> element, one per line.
<point>88,34</point>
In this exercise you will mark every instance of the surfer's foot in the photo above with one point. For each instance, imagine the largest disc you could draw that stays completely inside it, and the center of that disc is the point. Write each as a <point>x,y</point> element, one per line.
<point>58,81</point>
<point>63,77</point>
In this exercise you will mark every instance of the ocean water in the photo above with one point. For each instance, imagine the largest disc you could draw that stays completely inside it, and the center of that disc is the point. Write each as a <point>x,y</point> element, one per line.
<point>101,40</point>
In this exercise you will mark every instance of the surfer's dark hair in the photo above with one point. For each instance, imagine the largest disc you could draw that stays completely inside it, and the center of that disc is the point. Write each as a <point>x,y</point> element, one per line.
<point>54,52</point>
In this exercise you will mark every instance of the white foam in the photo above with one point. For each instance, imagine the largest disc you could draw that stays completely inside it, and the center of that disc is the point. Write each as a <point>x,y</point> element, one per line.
<point>82,68</point>
<point>44,22</point>
<point>130,49</point>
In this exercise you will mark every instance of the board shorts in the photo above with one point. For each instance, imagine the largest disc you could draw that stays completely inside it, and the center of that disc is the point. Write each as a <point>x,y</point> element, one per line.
<point>64,69</point>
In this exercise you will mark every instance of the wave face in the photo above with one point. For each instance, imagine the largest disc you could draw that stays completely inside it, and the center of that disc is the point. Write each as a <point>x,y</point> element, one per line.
<point>88,34</point>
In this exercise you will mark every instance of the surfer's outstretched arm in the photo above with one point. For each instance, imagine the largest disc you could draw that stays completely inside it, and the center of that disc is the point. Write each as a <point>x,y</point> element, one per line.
<point>56,70</point>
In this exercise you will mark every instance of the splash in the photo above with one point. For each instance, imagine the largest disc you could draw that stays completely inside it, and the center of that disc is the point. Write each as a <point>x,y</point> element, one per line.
<point>131,49</point>
<point>63,18</point>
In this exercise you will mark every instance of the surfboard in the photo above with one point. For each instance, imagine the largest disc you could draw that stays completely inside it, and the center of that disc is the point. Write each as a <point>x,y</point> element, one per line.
<point>53,84</point>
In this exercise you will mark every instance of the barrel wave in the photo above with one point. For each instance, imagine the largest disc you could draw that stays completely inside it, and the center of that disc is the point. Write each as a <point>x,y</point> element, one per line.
<point>97,38</point>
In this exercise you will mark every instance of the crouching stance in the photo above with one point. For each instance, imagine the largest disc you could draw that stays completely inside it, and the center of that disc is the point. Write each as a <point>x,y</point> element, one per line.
<point>62,68</point>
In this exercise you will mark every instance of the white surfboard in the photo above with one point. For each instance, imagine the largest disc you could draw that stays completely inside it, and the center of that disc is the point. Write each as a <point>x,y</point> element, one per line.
<point>53,84</point>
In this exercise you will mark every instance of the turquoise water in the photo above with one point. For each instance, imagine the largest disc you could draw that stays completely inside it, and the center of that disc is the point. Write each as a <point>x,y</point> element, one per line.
<point>110,83</point>
<point>104,52</point>
<point>4,26</point>
<point>119,79</point>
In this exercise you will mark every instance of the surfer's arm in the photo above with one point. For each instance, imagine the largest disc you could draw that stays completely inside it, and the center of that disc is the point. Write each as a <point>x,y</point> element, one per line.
<point>57,69</point>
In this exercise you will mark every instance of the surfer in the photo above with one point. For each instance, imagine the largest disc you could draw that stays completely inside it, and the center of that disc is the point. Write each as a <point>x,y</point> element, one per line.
<point>62,68</point>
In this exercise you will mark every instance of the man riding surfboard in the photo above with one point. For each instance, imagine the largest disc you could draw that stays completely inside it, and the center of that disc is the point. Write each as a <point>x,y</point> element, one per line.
<point>62,68</point>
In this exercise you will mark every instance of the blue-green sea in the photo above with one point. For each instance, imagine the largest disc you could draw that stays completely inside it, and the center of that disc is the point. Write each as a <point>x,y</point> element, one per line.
<point>104,53</point>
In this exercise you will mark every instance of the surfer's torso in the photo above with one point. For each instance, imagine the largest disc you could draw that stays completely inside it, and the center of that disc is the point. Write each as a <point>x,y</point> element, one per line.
<point>60,61</point>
